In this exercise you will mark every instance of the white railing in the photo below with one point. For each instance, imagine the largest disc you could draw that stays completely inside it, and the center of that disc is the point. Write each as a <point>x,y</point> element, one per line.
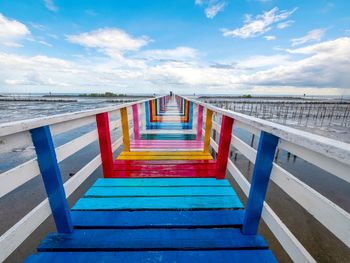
<point>329,155</point>
<point>17,135</point>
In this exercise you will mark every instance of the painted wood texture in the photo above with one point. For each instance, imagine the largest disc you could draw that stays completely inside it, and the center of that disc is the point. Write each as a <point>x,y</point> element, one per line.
<point>51,175</point>
<point>104,138</point>
<point>161,182</point>
<point>182,214</point>
<point>157,219</point>
<point>168,136</point>
<point>224,256</point>
<point>224,147</point>
<point>200,123</point>
<point>159,191</point>
<point>164,155</point>
<point>208,126</point>
<point>151,239</point>
<point>135,116</point>
<point>174,203</point>
<point>259,182</point>
<point>125,129</point>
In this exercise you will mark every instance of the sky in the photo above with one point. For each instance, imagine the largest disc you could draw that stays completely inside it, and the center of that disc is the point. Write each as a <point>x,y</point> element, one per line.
<point>258,47</point>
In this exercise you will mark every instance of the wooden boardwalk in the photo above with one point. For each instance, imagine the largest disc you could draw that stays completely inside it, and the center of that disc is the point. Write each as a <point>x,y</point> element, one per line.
<point>165,197</point>
<point>156,220</point>
<point>164,200</point>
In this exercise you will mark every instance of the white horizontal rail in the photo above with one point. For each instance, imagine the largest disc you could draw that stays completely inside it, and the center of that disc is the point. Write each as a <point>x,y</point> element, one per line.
<point>325,211</point>
<point>332,166</point>
<point>331,148</point>
<point>24,172</point>
<point>15,142</point>
<point>71,124</point>
<point>13,237</point>
<point>288,241</point>
<point>286,238</point>
<point>25,125</point>
<point>17,176</point>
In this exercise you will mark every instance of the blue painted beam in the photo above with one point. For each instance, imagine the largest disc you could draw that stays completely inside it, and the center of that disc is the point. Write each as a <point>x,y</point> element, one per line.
<point>157,219</point>
<point>51,175</point>
<point>259,182</point>
<point>151,239</point>
<point>222,256</point>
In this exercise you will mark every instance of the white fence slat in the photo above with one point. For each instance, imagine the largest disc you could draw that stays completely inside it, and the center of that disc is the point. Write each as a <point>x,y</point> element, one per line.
<point>244,148</point>
<point>13,237</point>
<point>17,176</point>
<point>331,148</point>
<point>15,142</point>
<point>325,211</point>
<point>286,238</point>
<point>71,125</point>
<point>24,125</point>
<point>73,146</point>
<point>330,165</point>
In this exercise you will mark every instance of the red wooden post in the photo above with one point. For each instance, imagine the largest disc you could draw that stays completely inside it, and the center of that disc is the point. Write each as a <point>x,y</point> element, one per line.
<point>224,147</point>
<point>104,137</point>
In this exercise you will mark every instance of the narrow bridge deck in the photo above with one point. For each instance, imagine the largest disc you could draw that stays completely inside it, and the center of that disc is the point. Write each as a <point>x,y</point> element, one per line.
<point>162,203</point>
<point>156,220</point>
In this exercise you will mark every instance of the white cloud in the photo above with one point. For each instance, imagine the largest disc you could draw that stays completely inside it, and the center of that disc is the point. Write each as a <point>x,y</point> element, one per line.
<point>285,24</point>
<point>264,61</point>
<point>176,54</point>
<point>313,35</point>
<point>213,10</point>
<point>212,7</point>
<point>129,68</point>
<point>11,31</point>
<point>50,5</point>
<point>326,66</point>
<point>270,38</point>
<point>112,41</point>
<point>260,24</point>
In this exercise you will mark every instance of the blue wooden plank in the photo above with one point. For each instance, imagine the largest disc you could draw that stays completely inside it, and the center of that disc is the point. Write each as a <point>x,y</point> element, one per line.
<point>153,219</point>
<point>147,182</point>
<point>140,203</point>
<point>259,182</point>
<point>51,175</point>
<point>151,239</point>
<point>214,256</point>
<point>159,191</point>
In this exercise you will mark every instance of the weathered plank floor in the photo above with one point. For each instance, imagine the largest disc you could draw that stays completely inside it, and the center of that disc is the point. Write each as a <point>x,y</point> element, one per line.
<point>156,220</point>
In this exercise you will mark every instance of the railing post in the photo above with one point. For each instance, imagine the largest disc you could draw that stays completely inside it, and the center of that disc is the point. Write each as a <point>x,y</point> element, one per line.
<point>224,146</point>
<point>200,123</point>
<point>51,175</point>
<point>208,125</point>
<point>135,116</point>
<point>104,138</point>
<point>125,128</point>
<point>259,182</point>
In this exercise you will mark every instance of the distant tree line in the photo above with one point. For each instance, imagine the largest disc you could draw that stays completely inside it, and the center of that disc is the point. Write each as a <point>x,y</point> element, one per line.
<point>106,94</point>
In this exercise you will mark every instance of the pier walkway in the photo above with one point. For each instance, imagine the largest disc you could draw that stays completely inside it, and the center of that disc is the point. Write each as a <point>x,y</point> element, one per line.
<point>155,208</point>
<point>165,194</point>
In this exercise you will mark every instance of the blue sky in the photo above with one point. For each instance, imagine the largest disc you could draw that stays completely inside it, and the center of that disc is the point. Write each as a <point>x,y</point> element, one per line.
<point>202,46</point>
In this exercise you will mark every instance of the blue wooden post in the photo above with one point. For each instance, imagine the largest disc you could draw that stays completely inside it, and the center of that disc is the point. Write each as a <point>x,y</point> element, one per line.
<point>51,175</point>
<point>259,182</point>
